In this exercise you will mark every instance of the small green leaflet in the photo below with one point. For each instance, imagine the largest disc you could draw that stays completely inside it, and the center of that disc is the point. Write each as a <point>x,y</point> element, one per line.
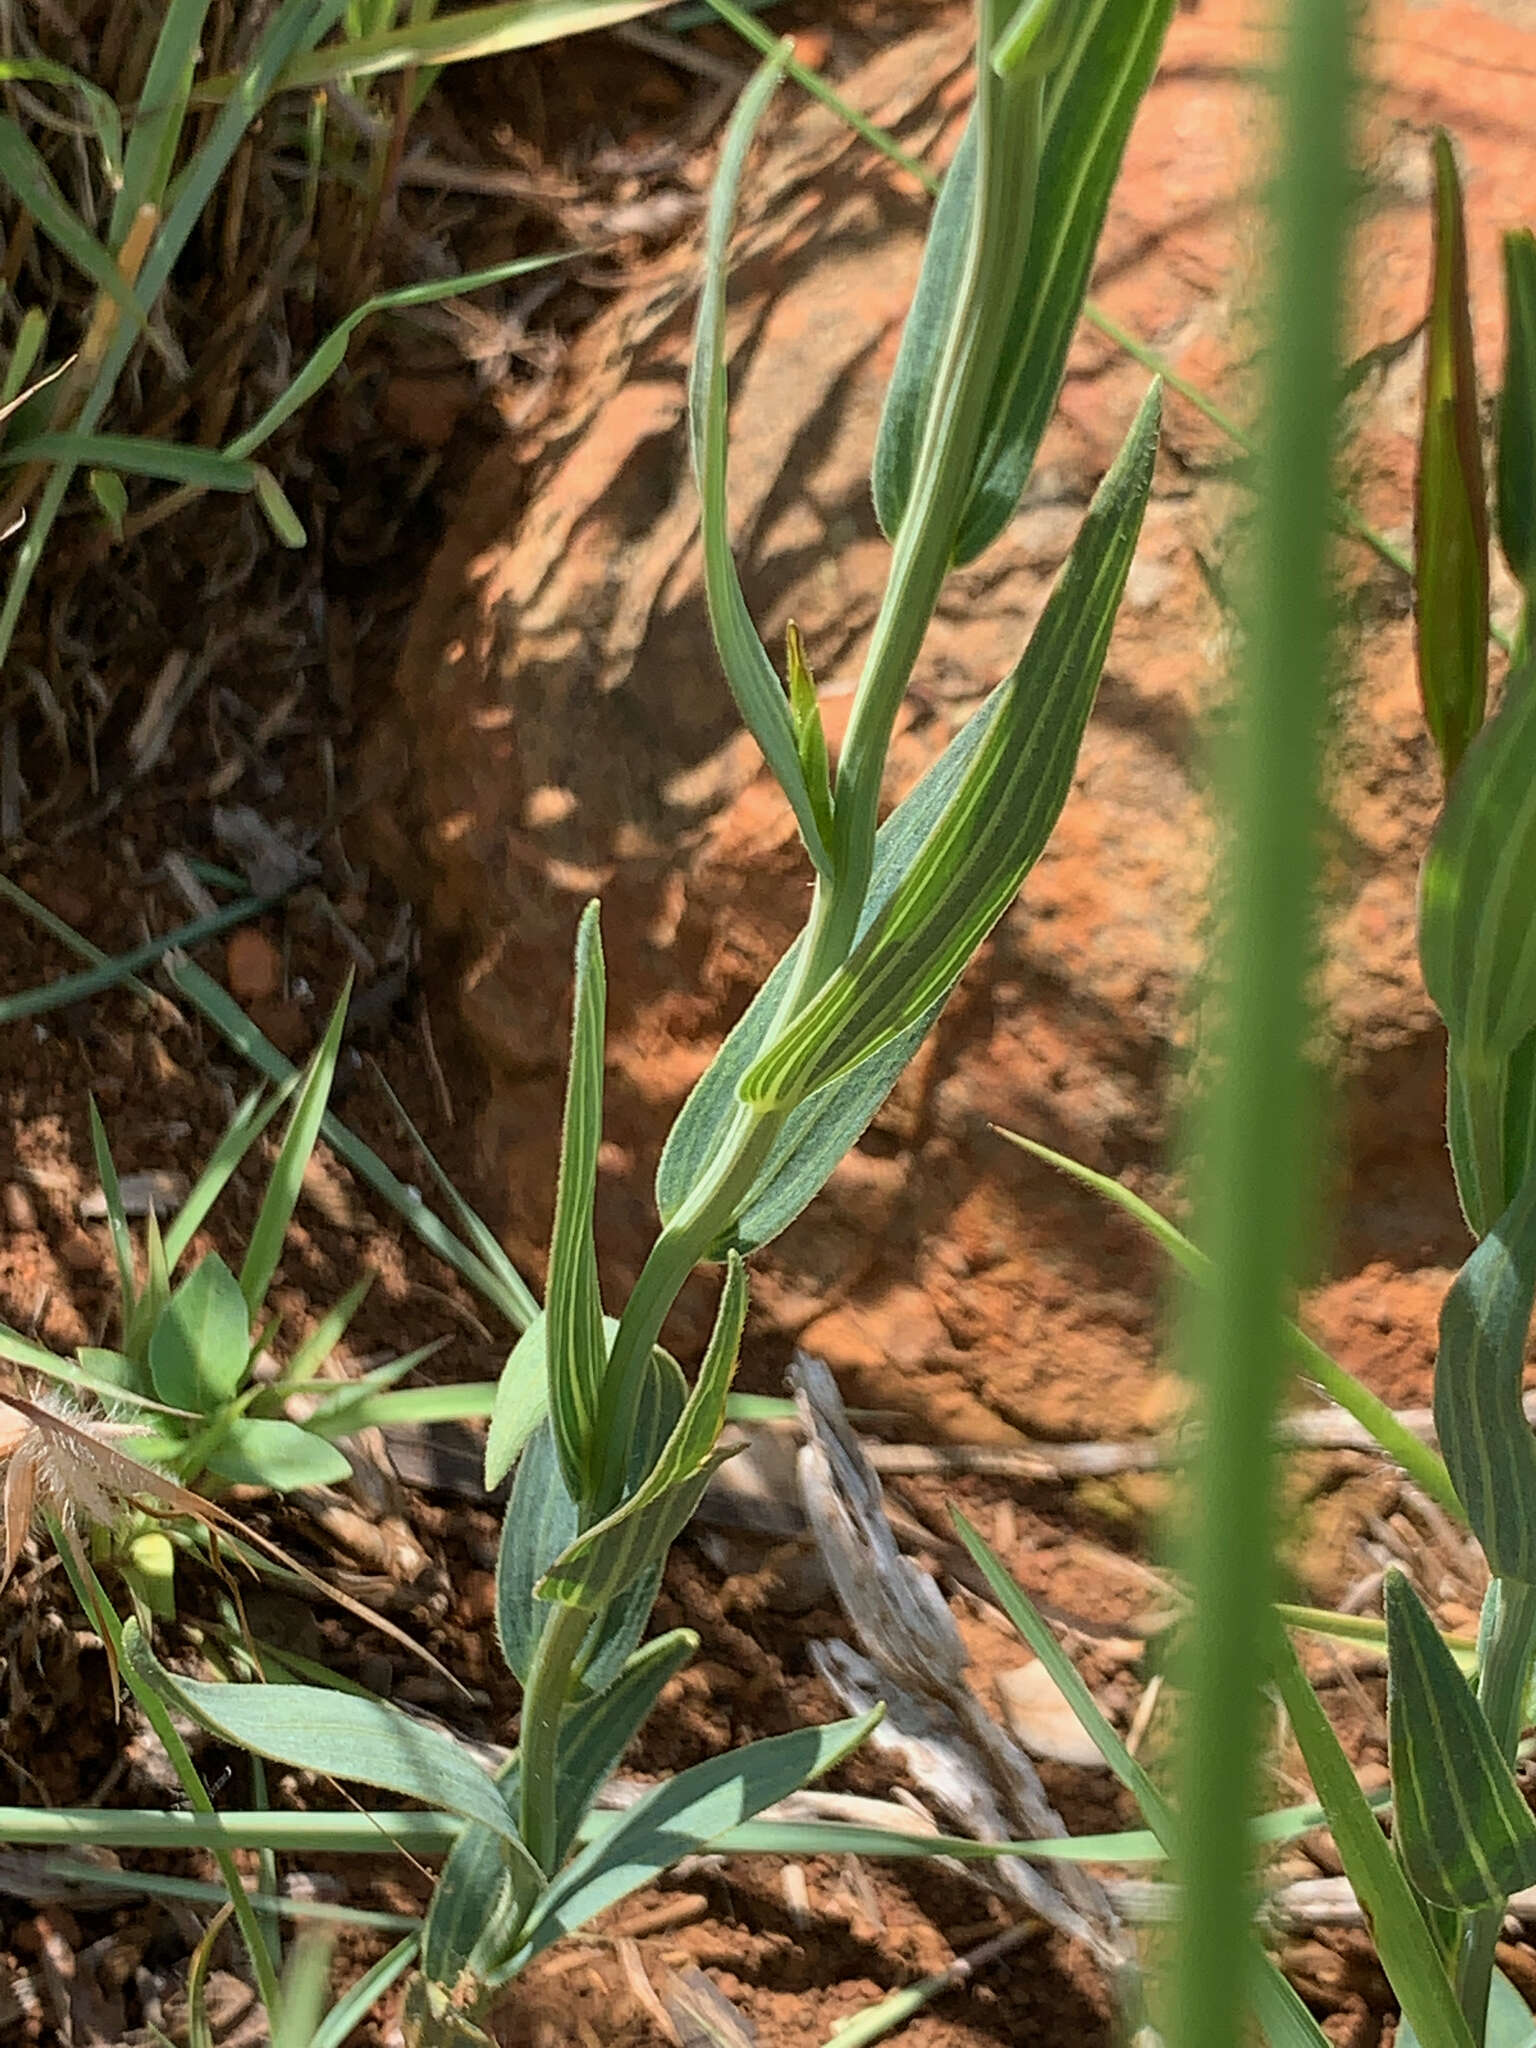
<point>1462,1830</point>
<point>202,1340</point>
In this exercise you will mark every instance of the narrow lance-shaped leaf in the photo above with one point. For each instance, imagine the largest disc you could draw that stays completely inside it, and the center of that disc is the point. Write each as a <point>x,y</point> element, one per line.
<point>637,1535</point>
<point>1479,1376</point>
<point>338,1734</point>
<point>996,825</point>
<point>1403,1940</point>
<point>1091,97</point>
<point>1477,939</point>
<point>1462,1828</point>
<point>1517,411</point>
<point>1451,505</point>
<point>282,1196</point>
<point>680,1817</point>
<point>753,679</point>
<point>577,1351</point>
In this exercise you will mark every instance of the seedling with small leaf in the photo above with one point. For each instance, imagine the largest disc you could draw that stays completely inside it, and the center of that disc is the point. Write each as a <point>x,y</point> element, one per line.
<point>191,1388</point>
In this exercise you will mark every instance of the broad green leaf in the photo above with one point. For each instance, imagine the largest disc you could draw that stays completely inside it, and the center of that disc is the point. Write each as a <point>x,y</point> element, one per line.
<point>573,1315</point>
<point>1477,937</point>
<point>1451,499</point>
<point>1090,100</point>
<point>281,1198</point>
<point>202,1340</point>
<point>1403,1940</point>
<point>337,1734</point>
<point>994,828</point>
<point>596,1732</point>
<point>1308,1358</point>
<point>817,1134</point>
<point>270,1452</point>
<point>753,679</point>
<point>681,1817</point>
<point>1462,1828</point>
<point>1479,1377</point>
<point>522,1400</point>
<point>1517,411</point>
<point>635,1538</point>
<point>541,1521</point>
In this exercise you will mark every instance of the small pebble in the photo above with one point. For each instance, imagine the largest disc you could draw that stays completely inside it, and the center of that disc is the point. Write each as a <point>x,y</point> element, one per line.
<point>254,966</point>
<point>19,1211</point>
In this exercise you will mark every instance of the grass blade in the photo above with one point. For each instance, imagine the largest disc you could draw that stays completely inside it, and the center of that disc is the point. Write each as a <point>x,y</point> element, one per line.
<point>75,988</point>
<point>1407,1950</point>
<point>271,1226</point>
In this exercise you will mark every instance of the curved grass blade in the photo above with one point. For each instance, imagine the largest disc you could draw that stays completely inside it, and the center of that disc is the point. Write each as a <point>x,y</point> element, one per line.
<point>1462,1829</point>
<point>1479,1378</point>
<point>117,1215</point>
<point>32,185</point>
<point>994,828</point>
<point>753,679</point>
<point>245,1127</point>
<point>1403,1940</point>
<point>1309,1359</point>
<point>75,988</point>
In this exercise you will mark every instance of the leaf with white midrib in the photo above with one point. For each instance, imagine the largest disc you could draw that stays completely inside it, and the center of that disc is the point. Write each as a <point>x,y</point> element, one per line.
<point>1462,1830</point>
<point>1479,1382</point>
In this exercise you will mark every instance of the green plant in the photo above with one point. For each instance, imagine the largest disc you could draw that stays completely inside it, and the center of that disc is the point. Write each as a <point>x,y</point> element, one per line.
<point>612,1448</point>
<point>1462,1836</point>
<point>191,1389</point>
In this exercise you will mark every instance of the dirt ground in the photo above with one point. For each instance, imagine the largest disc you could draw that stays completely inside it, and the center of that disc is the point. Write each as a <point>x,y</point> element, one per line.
<point>487,692</point>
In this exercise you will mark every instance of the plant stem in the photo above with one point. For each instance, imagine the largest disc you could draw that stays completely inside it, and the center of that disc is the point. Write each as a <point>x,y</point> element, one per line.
<point>544,1701</point>
<point>1501,1686</point>
<point>1255,1177</point>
